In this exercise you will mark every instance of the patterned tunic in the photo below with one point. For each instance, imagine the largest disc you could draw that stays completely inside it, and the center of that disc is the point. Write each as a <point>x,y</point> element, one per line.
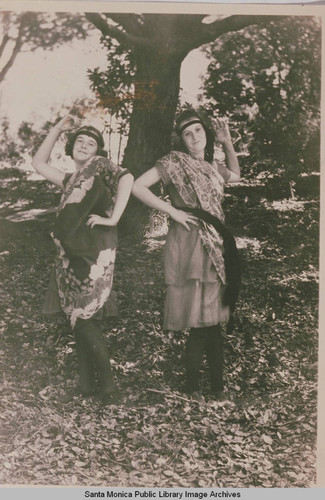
<point>84,264</point>
<point>194,264</point>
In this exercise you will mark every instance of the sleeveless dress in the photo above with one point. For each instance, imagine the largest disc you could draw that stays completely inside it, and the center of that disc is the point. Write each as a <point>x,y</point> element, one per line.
<point>84,266</point>
<point>193,260</point>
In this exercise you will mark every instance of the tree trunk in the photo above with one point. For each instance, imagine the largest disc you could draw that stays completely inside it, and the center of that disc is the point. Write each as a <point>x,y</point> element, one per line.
<point>156,96</point>
<point>157,84</point>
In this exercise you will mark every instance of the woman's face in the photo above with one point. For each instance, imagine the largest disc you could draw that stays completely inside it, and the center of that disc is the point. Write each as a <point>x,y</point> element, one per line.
<point>84,148</point>
<point>194,138</point>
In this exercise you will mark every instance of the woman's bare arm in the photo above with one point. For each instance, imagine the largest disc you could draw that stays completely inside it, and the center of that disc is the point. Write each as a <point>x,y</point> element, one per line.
<point>41,158</point>
<point>123,192</point>
<point>142,192</point>
<point>231,171</point>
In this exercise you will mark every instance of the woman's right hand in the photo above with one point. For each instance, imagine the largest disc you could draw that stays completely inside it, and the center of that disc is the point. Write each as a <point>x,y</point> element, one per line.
<point>221,130</point>
<point>66,123</point>
<point>183,218</point>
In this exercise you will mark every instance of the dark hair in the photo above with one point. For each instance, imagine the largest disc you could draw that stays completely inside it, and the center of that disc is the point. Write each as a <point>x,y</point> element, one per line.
<point>206,124</point>
<point>91,132</point>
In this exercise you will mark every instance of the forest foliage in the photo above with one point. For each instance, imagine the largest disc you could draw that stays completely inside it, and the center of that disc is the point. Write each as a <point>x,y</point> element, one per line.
<point>268,83</point>
<point>264,434</point>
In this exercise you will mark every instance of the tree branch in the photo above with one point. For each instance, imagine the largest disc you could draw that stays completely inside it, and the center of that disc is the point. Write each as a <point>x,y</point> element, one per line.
<point>175,19</point>
<point>208,32</point>
<point>18,45</point>
<point>4,42</point>
<point>130,22</point>
<point>11,60</point>
<point>106,29</point>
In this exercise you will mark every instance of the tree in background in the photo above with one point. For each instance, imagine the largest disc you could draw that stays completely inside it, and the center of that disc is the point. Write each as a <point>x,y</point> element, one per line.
<point>268,82</point>
<point>28,31</point>
<point>18,150</point>
<point>145,53</point>
<point>8,147</point>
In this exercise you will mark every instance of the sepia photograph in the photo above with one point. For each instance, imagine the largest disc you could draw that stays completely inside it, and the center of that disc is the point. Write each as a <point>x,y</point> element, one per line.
<point>160,169</point>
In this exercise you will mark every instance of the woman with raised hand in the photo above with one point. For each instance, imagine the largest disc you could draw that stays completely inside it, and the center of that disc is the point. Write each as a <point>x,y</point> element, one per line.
<point>202,278</point>
<point>93,199</point>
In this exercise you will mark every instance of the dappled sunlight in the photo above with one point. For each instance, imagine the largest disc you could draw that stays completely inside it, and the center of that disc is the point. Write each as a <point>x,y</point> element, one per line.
<point>26,215</point>
<point>154,244</point>
<point>307,276</point>
<point>19,204</point>
<point>156,238</point>
<point>285,205</point>
<point>34,176</point>
<point>249,182</point>
<point>157,230</point>
<point>6,182</point>
<point>250,243</point>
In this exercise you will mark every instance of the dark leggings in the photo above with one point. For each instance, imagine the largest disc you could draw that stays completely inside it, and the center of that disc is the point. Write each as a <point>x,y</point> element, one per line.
<point>208,341</point>
<point>93,356</point>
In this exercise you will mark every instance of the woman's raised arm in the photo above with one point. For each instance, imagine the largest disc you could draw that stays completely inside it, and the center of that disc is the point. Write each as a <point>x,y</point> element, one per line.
<point>230,172</point>
<point>41,158</point>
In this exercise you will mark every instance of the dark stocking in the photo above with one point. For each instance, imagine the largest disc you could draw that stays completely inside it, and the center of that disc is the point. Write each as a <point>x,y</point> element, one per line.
<point>214,354</point>
<point>91,344</point>
<point>193,358</point>
<point>86,367</point>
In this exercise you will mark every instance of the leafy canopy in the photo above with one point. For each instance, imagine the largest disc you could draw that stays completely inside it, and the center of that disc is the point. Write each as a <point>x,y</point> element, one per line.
<point>268,82</point>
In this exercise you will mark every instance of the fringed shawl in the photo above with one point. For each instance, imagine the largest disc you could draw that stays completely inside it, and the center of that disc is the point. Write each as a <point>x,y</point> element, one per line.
<point>200,186</point>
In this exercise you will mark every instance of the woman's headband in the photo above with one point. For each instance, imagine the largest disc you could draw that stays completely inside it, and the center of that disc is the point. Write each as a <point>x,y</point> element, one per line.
<point>187,124</point>
<point>91,132</point>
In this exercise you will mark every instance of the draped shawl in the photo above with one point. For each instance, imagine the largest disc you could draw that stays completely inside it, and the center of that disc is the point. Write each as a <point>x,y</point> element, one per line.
<point>199,185</point>
<point>85,258</point>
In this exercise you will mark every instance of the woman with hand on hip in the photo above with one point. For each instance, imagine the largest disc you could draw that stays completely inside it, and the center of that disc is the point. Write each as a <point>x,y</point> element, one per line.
<point>85,235</point>
<point>195,272</point>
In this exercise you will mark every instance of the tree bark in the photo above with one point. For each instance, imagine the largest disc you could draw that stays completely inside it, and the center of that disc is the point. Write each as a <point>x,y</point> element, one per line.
<point>159,44</point>
<point>157,82</point>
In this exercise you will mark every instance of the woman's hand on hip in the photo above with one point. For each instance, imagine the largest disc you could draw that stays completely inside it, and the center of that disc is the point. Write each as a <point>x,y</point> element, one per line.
<point>183,218</point>
<point>97,220</point>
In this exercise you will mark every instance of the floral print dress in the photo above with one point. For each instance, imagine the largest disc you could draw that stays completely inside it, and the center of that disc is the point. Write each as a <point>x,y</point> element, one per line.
<point>84,264</point>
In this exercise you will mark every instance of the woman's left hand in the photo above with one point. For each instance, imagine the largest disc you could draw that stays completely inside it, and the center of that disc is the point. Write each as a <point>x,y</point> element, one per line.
<point>221,129</point>
<point>97,220</point>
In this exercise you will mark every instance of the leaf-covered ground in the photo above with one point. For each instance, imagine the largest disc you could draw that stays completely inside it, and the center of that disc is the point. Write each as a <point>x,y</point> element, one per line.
<point>262,436</point>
